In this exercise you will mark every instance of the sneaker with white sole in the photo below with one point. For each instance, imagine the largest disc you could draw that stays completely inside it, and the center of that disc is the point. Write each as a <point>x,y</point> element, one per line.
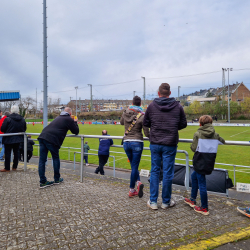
<point>59,181</point>
<point>46,184</point>
<point>168,205</point>
<point>152,205</point>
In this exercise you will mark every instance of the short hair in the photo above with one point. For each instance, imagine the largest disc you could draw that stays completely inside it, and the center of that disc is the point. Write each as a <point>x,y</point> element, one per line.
<point>164,89</point>
<point>205,119</point>
<point>104,132</point>
<point>86,142</point>
<point>6,113</point>
<point>137,101</point>
<point>68,110</point>
<point>14,109</point>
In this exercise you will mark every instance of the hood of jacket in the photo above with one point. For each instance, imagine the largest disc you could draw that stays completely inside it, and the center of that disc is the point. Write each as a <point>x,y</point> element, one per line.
<point>129,115</point>
<point>165,104</point>
<point>207,130</point>
<point>64,113</point>
<point>16,117</point>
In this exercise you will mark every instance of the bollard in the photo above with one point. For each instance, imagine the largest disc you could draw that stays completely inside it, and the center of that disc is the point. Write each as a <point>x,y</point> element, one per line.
<point>25,152</point>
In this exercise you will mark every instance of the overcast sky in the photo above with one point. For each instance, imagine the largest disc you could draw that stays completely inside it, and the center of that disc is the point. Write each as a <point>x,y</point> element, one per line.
<point>109,41</point>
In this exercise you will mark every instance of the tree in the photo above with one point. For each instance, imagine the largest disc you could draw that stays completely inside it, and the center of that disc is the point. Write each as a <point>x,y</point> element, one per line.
<point>196,107</point>
<point>245,105</point>
<point>25,104</point>
<point>234,108</point>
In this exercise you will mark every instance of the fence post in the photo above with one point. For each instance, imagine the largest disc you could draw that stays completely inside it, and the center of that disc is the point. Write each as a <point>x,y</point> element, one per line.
<point>114,166</point>
<point>68,153</point>
<point>234,178</point>
<point>25,152</point>
<point>187,171</point>
<point>82,152</point>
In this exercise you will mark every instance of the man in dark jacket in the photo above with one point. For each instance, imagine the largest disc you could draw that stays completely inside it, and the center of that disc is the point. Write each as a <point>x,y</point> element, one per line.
<point>103,152</point>
<point>164,116</point>
<point>51,140</point>
<point>14,123</point>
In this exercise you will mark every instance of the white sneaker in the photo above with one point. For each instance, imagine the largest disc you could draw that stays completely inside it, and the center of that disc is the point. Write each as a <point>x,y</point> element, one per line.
<point>87,164</point>
<point>167,205</point>
<point>152,205</point>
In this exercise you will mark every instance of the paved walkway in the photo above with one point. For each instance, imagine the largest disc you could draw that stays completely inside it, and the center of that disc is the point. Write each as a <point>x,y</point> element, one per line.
<point>97,214</point>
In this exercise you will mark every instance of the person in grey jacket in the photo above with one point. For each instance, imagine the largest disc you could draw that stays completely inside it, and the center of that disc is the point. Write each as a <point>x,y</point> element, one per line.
<point>133,142</point>
<point>86,149</point>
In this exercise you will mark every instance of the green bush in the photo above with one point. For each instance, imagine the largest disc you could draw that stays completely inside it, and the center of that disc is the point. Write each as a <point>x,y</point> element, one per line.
<point>242,117</point>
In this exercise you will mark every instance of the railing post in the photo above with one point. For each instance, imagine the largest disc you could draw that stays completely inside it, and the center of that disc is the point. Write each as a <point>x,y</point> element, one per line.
<point>68,153</point>
<point>113,166</point>
<point>25,152</point>
<point>74,160</point>
<point>82,153</point>
<point>187,172</point>
<point>234,178</point>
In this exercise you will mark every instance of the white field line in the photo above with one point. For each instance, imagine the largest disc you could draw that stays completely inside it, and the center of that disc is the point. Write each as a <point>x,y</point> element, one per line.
<point>239,133</point>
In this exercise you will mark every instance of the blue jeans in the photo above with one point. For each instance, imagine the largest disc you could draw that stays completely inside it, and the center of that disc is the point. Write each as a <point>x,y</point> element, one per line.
<point>166,155</point>
<point>86,158</point>
<point>46,146</point>
<point>133,150</point>
<point>2,151</point>
<point>199,182</point>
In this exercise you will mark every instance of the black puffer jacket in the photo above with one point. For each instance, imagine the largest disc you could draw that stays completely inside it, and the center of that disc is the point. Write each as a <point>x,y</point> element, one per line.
<point>14,123</point>
<point>164,117</point>
<point>56,131</point>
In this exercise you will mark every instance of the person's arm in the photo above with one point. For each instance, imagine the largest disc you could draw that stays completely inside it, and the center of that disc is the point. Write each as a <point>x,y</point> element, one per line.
<point>25,126</point>
<point>195,142</point>
<point>73,127</point>
<point>5,125</point>
<point>88,147</point>
<point>146,120</point>
<point>122,120</point>
<point>111,142</point>
<point>146,131</point>
<point>32,142</point>
<point>220,139</point>
<point>183,120</point>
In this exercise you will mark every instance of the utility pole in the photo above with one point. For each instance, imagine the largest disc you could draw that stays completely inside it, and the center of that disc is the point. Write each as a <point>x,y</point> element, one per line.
<point>91,103</point>
<point>45,85</point>
<point>133,93</point>
<point>179,93</point>
<point>228,94</point>
<point>144,91</point>
<point>223,83</point>
<point>76,99</point>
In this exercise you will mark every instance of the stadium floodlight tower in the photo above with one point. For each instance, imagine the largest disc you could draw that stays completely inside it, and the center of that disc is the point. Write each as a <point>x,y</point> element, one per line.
<point>76,99</point>
<point>228,94</point>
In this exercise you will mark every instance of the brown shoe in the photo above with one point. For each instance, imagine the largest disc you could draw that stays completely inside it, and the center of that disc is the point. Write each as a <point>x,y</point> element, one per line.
<point>13,169</point>
<point>4,170</point>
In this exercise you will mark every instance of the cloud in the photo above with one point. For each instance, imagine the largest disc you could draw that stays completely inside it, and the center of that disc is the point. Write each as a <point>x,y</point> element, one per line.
<point>103,42</point>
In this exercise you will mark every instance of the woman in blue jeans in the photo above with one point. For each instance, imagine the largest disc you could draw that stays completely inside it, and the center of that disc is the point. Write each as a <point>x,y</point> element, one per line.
<point>132,119</point>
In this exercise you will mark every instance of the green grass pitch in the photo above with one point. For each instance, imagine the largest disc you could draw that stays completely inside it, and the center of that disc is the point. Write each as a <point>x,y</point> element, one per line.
<point>236,155</point>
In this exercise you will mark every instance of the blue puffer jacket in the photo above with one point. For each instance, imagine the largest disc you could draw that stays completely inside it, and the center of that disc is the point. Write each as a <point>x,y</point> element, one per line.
<point>104,146</point>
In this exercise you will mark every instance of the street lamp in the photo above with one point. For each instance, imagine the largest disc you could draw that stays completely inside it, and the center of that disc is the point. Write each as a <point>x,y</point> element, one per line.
<point>76,99</point>
<point>228,69</point>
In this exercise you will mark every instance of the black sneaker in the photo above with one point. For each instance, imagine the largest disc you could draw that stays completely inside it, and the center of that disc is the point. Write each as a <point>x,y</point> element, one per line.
<point>58,182</point>
<point>46,184</point>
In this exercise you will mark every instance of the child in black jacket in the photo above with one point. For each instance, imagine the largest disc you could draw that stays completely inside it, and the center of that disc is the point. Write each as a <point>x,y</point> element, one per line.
<point>205,145</point>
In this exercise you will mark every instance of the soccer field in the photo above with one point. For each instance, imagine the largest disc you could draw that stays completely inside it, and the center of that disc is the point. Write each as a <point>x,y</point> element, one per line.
<point>236,155</point>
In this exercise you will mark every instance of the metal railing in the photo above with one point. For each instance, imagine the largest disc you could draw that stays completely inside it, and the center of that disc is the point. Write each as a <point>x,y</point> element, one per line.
<point>238,143</point>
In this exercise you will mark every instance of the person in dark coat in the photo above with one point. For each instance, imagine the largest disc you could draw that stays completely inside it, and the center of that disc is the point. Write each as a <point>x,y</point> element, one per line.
<point>164,116</point>
<point>30,144</point>
<point>103,152</point>
<point>51,139</point>
<point>14,123</point>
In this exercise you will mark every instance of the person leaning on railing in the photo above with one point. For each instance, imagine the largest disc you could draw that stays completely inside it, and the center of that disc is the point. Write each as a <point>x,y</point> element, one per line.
<point>14,123</point>
<point>51,139</point>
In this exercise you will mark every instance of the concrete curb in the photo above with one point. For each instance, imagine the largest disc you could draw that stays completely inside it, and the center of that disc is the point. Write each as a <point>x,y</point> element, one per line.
<point>218,241</point>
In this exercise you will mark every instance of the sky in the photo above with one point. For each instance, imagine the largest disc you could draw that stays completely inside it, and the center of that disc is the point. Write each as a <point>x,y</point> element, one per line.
<point>111,44</point>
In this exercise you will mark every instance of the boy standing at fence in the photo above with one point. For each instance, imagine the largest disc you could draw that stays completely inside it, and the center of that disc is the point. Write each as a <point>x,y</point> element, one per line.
<point>86,150</point>
<point>205,145</point>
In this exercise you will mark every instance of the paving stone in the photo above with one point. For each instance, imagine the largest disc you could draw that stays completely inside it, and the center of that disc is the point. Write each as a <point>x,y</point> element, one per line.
<point>76,215</point>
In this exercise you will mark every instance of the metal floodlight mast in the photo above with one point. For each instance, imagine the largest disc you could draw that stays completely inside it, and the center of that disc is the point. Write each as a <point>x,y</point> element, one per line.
<point>76,99</point>
<point>228,69</point>
<point>144,91</point>
<point>45,86</point>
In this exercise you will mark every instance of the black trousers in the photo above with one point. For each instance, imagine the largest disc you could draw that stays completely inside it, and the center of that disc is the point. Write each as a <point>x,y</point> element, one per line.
<point>29,155</point>
<point>103,159</point>
<point>8,148</point>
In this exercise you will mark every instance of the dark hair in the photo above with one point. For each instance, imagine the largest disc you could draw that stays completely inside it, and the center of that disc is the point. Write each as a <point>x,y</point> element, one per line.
<point>7,113</point>
<point>164,89</point>
<point>205,119</point>
<point>137,101</point>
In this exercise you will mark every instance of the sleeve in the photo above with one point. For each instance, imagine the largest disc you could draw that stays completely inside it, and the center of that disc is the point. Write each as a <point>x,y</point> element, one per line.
<point>195,142</point>
<point>73,127</point>
<point>183,120</point>
<point>25,126</point>
<point>146,120</point>
<point>220,139</point>
<point>88,147</point>
<point>32,142</point>
<point>122,120</point>
<point>111,142</point>
<point>5,125</point>
<point>146,131</point>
